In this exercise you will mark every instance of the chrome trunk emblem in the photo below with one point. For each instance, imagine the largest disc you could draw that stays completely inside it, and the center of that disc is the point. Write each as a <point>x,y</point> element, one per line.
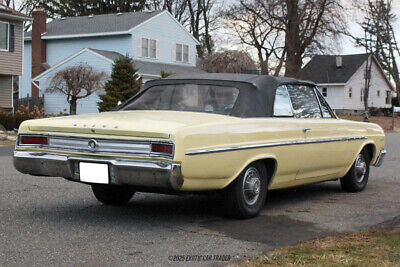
<point>93,145</point>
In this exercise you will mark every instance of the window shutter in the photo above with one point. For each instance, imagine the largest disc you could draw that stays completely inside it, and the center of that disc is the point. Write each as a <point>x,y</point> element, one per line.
<point>139,47</point>
<point>174,52</point>
<point>11,45</point>
<point>157,49</point>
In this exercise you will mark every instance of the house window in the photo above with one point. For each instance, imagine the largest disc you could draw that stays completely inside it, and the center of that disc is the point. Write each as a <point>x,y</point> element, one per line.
<point>325,92</point>
<point>350,93</point>
<point>4,36</point>
<point>182,53</point>
<point>149,48</point>
<point>388,98</point>
<point>362,95</point>
<point>378,93</point>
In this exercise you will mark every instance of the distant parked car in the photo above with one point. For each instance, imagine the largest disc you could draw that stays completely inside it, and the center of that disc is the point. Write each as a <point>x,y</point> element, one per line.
<point>241,134</point>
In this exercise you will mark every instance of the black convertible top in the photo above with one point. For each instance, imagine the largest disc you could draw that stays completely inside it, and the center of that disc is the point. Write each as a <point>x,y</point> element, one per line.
<point>256,92</point>
<point>245,78</point>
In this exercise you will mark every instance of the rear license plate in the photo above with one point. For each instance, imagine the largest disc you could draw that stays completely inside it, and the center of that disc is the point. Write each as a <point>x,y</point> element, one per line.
<point>93,173</point>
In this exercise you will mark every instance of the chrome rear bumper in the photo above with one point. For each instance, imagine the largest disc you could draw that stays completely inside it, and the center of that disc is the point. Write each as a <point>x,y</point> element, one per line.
<point>145,173</point>
<point>380,158</point>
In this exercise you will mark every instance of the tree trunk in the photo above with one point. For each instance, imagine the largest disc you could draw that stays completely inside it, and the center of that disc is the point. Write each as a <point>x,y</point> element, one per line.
<point>263,62</point>
<point>207,37</point>
<point>293,64</point>
<point>397,82</point>
<point>280,65</point>
<point>367,85</point>
<point>292,40</point>
<point>72,106</point>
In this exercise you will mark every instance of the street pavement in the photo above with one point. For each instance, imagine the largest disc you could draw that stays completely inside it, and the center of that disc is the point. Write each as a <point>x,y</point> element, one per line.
<point>50,221</point>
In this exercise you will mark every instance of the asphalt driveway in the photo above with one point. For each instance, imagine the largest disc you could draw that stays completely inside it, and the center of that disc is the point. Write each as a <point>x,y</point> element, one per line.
<point>52,221</point>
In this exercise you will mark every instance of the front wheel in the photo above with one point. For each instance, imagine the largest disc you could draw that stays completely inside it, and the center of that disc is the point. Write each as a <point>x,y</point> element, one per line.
<point>113,194</point>
<point>356,178</point>
<point>246,196</point>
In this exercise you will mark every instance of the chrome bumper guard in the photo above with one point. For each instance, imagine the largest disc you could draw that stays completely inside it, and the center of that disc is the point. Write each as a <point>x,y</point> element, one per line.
<point>380,158</point>
<point>146,173</point>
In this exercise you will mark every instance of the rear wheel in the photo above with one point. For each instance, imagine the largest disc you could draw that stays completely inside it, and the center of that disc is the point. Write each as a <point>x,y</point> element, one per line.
<point>246,196</point>
<point>356,178</point>
<point>113,194</point>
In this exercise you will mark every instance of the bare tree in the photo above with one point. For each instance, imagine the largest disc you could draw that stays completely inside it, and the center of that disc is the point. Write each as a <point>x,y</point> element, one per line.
<point>27,7</point>
<point>178,8</point>
<point>10,3</point>
<point>76,82</point>
<point>380,37</point>
<point>199,16</point>
<point>203,15</point>
<point>230,61</point>
<point>305,25</point>
<point>258,31</point>
<point>209,19</point>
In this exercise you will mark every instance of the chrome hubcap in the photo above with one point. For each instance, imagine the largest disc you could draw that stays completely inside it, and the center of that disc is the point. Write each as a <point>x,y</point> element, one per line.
<point>360,168</point>
<point>251,186</point>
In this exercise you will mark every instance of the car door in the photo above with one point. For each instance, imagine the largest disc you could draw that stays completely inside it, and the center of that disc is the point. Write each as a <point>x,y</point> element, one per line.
<point>286,132</point>
<point>323,154</point>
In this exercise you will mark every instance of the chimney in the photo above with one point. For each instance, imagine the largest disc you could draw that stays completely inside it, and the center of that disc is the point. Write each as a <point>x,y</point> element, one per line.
<point>339,62</point>
<point>38,46</point>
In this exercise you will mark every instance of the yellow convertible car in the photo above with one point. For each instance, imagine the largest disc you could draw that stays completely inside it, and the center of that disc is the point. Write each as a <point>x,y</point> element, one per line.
<point>240,134</point>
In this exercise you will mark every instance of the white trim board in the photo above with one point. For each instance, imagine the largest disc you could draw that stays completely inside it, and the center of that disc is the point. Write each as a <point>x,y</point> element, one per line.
<point>71,36</point>
<point>68,59</point>
<point>34,80</point>
<point>8,36</point>
<point>15,17</point>
<point>331,84</point>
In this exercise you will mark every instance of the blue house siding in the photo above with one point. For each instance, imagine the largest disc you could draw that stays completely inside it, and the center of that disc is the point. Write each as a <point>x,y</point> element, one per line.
<point>165,30</point>
<point>162,27</point>
<point>25,80</point>
<point>60,49</point>
<point>56,102</point>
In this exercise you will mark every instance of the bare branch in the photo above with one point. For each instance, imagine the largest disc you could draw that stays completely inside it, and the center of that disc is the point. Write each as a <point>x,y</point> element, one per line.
<point>76,82</point>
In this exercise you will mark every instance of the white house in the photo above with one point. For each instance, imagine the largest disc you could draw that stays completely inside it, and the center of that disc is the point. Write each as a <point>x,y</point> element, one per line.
<point>155,40</point>
<point>340,79</point>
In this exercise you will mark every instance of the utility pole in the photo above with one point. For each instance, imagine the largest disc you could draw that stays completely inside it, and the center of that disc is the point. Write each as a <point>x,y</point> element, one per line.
<point>368,67</point>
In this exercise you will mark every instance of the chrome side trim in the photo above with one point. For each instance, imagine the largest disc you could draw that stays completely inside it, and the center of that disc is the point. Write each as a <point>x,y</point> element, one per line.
<point>380,158</point>
<point>226,149</point>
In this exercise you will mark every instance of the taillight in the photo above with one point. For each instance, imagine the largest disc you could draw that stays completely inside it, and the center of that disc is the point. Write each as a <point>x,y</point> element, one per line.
<point>33,140</point>
<point>162,148</point>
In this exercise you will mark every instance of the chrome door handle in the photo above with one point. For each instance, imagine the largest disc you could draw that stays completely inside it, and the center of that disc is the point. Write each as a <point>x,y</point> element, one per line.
<point>306,130</point>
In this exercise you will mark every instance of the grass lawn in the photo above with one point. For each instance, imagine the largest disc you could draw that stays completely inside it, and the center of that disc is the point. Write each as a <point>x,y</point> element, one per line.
<point>366,248</point>
<point>384,122</point>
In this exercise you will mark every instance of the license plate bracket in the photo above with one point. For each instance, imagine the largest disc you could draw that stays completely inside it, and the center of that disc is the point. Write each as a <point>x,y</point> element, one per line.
<point>96,173</point>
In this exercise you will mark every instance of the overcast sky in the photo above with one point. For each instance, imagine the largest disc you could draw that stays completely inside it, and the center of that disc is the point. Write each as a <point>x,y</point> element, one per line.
<point>347,47</point>
<point>344,46</point>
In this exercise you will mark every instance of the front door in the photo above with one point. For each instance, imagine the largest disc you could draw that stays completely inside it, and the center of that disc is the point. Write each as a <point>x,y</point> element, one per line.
<point>324,153</point>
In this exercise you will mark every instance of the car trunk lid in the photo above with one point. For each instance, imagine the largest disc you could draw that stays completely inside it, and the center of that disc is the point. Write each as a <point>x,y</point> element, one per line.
<point>147,124</point>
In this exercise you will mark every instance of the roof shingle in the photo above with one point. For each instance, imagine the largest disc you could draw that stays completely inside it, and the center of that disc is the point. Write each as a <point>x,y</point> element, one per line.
<point>97,24</point>
<point>150,68</point>
<point>322,68</point>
